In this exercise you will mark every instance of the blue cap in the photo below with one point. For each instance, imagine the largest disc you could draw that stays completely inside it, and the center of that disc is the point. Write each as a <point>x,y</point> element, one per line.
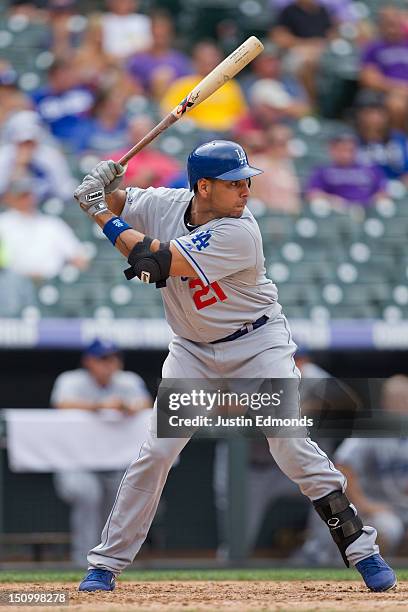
<point>101,348</point>
<point>221,159</point>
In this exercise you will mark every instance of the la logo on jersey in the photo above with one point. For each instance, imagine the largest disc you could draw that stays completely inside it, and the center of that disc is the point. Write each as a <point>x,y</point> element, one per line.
<point>201,240</point>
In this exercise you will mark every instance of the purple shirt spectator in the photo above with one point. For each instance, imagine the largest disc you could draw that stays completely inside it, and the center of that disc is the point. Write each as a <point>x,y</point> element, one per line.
<point>391,58</point>
<point>341,10</point>
<point>355,183</point>
<point>143,65</point>
<point>161,64</point>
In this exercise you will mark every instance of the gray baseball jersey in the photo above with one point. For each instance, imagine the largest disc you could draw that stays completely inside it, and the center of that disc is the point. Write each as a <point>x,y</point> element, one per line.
<point>227,255</point>
<point>382,468</point>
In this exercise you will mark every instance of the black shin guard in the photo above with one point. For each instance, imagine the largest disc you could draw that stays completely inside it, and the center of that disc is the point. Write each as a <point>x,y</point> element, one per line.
<point>344,524</point>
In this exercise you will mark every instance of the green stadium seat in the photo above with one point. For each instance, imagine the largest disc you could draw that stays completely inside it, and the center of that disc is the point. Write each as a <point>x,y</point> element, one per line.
<point>295,312</point>
<point>355,311</point>
<point>276,228</point>
<point>298,294</point>
<point>400,295</point>
<point>304,272</point>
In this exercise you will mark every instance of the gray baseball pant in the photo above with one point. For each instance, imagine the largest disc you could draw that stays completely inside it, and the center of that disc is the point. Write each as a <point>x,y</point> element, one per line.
<point>266,352</point>
<point>90,496</point>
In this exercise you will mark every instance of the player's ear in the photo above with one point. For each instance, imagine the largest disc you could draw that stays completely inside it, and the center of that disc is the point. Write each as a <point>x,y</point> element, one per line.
<point>203,186</point>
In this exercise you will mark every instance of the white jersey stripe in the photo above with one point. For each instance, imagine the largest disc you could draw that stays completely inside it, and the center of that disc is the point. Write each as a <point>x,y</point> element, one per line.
<point>194,263</point>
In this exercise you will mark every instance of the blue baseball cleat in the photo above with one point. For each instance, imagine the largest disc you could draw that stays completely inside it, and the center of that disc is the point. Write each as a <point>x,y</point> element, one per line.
<point>98,580</point>
<point>376,573</point>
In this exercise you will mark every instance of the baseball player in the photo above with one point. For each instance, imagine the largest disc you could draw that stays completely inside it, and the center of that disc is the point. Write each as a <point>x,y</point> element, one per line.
<point>203,248</point>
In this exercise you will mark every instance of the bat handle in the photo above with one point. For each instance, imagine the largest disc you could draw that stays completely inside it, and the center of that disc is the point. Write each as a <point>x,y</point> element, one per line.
<point>131,153</point>
<point>158,129</point>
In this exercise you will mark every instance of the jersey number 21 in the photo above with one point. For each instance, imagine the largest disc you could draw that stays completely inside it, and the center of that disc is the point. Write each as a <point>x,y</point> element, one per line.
<point>213,291</point>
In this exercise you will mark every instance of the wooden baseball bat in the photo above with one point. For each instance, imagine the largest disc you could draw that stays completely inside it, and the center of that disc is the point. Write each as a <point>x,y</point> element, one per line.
<point>225,71</point>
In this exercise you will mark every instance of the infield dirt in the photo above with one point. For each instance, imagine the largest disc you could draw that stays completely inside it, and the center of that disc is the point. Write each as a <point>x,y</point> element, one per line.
<point>221,596</point>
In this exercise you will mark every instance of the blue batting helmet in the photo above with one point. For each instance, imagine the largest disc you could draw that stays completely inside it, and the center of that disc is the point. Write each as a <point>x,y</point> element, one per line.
<point>221,159</point>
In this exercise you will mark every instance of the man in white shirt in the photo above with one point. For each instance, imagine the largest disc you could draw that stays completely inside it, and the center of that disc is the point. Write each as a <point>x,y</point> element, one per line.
<point>99,386</point>
<point>124,30</point>
<point>35,244</point>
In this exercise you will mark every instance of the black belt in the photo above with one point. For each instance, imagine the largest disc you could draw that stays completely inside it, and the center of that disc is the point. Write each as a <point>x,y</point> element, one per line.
<point>244,330</point>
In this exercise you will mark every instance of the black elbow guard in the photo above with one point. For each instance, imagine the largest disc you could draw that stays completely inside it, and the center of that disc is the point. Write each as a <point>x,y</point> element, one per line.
<point>149,267</point>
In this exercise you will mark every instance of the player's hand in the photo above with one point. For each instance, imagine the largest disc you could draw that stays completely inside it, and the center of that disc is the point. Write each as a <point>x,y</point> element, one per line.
<point>91,196</point>
<point>110,173</point>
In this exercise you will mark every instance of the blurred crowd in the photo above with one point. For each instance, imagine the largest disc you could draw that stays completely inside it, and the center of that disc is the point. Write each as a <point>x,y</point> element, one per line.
<point>111,69</point>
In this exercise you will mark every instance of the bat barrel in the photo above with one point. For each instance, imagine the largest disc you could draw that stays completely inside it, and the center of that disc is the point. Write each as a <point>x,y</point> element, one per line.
<point>225,71</point>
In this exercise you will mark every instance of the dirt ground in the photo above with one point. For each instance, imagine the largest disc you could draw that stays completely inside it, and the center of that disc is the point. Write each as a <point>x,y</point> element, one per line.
<point>222,596</point>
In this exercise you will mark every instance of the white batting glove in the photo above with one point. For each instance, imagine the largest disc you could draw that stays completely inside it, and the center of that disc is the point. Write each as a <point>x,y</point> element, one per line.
<point>91,196</point>
<point>110,173</point>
